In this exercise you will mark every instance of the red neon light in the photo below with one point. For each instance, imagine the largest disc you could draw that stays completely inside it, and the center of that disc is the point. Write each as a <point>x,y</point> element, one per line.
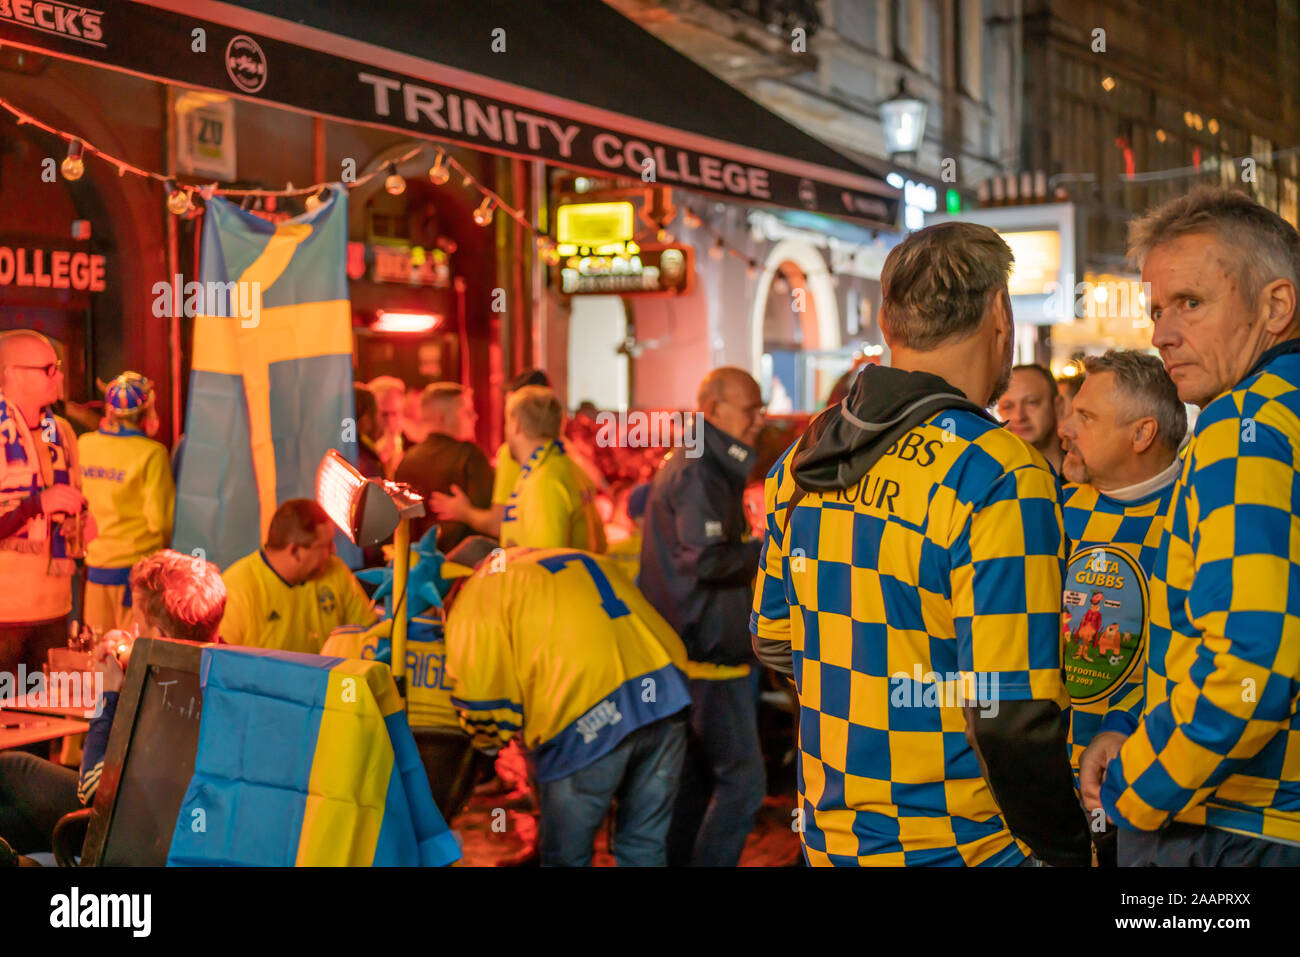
<point>405,321</point>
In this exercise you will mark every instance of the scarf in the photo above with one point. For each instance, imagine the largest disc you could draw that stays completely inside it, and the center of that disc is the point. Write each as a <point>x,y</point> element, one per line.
<point>23,478</point>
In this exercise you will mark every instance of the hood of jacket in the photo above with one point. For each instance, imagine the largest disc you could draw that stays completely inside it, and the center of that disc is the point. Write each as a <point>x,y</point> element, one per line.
<point>883,404</point>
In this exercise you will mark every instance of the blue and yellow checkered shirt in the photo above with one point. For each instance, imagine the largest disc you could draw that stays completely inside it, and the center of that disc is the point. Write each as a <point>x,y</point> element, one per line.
<point>934,581</point>
<point>1219,741</point>
<point>1108,538</point>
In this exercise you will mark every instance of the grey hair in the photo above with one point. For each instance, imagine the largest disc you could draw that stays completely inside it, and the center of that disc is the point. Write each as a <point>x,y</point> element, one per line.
<point>937,282</point>
<point>1143,378</point>
<point>1266,246</point>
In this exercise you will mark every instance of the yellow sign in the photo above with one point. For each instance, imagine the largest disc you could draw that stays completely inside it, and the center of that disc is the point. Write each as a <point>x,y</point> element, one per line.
<point>1038,261</point>
<point>594,224</point>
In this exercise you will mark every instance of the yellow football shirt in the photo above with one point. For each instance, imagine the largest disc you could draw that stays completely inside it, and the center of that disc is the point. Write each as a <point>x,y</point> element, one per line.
<point>553,505</point>
<point>507,474</point>
<point>127,480</point>
<point>265,611</point>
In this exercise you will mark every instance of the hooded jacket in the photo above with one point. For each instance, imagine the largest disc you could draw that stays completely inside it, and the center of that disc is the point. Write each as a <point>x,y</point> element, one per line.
<point>697,557</point>
<point>873,553</point>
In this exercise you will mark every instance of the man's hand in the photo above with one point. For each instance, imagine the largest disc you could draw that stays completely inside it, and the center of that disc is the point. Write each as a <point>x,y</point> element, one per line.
<point>107,661</point>
<point>1092,765</point>
<point>451,508</point>
<point>62,498</point>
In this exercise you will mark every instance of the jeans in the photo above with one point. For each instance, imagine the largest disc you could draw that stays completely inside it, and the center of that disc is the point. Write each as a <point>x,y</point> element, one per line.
<point>723,779</point>
<point>1190,845</point>
<point>642,773</point>
<point>34,794</point>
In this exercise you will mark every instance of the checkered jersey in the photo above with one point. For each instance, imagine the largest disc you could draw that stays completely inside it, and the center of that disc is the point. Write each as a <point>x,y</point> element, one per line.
<point>1219,742</point>
<point>945,560</point>
<point>1093,519</point>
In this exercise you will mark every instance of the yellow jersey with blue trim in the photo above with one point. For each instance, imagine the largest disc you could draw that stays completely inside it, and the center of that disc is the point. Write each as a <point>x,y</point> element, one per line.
<point>265,611</point>
<point>553,505</point>
<point>557,645</point>
<point>505,476</point>
<point>127,480</point>
<point>932,584</point>
<point>428,690</point>
<point>1105,606</point>
<point>1219,740</point>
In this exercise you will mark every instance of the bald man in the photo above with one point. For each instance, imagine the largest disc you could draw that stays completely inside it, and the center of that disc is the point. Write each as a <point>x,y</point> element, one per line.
<point>40,503</point>
<point>698,563</point>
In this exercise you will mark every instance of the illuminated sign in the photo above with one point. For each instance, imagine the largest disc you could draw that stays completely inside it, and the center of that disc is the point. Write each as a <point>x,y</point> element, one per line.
<point>44,268</point>
<point>1038,260</point>
<point>654,270</point>
<point>594,224</point>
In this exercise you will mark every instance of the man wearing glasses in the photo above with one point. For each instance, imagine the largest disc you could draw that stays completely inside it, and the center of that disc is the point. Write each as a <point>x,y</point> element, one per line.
<point>698,562</point>
<point>41,503</point>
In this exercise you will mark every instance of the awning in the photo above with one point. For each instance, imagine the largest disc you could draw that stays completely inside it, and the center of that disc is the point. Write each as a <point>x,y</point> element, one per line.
<point>577,85</point>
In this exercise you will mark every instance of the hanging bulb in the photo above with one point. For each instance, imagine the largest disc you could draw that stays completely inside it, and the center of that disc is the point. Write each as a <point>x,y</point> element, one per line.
<point>439,174</point>
<point>314,201</point>
<point>717,250</point>
<point>394,183</point>
<point>664,236</point>
<point>692,220</point>
<point>483,215</point>
<point>72,164</point>
<point>178,200</point>
<point>751,269</point>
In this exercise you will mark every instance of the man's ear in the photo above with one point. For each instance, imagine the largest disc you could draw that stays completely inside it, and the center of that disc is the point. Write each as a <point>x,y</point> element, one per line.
<point>1278,304</point>
<point>1144,433</point>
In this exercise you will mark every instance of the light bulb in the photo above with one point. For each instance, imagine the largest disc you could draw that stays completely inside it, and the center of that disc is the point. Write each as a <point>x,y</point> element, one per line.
<point>483,215</point>
<point>178,200</point>
<point>394,183</point>
<point>72,164</point>
<point>314,201</point>
<point>551,256</point>
<point>717,250</point>
<point>439,174</point>
<point>751,269</point>
<point>692,220</point>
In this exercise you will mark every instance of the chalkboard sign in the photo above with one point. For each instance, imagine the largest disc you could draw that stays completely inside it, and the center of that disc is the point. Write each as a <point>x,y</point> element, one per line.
<point>150,756</point>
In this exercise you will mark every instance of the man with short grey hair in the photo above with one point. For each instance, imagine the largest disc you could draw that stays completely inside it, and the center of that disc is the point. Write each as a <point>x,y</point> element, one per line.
<point>1123,434</point>
<point>1210,775</point>
<point>910,583</point>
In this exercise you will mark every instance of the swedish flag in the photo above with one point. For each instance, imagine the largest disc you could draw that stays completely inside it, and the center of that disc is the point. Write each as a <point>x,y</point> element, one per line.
<point>271,382</point>
<point>303,761</point>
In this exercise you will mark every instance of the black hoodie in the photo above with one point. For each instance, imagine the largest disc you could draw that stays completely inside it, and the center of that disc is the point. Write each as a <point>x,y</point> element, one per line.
<point>1022,747</point>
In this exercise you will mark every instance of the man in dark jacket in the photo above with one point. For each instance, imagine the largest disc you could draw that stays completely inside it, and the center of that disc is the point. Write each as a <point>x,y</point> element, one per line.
<point>910,584</point>
<point>697,569</point>
<point>447,457</point>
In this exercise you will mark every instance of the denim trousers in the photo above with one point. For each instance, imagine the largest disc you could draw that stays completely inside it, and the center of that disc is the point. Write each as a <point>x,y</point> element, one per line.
<point>34,794</point>
<point>641,773</point>
<point>1190,845</point>
<point>723,777</point>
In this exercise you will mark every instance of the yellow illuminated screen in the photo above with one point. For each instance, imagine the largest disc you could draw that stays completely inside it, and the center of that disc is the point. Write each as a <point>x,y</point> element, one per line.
<point>1038,261</point>
<point>590,224</point>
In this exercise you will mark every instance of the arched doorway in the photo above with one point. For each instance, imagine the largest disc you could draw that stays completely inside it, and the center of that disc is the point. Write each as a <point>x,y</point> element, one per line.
<point>794,320</point>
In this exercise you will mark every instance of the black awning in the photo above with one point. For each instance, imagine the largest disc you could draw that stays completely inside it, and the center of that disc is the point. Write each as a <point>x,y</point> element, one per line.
<point>577,85</point>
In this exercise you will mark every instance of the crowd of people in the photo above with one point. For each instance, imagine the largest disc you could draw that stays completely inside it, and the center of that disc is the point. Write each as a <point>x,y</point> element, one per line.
<point>1025,621</point>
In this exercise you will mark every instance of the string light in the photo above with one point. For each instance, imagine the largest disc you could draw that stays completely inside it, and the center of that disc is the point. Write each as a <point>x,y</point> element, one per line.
<point>751,269</point>
<point>314,201</point>
<point>483,215</point>
<point>72,165</point>
<point>692,219</point>
<point>394,183</point>
<point>439,174</point>
<point>178,200</point>
<point>718,249</point>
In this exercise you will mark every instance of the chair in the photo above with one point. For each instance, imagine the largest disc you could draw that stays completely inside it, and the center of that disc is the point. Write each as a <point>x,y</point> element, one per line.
<point>452,765</point>
<point>69,835</point>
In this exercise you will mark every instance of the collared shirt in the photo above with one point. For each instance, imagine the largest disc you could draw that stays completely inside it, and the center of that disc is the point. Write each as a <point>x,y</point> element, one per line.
<point>265,611</point>
<point>557,645</point>
<point>1219,740</point>
<point>553,504</point>
<point>933,583</point>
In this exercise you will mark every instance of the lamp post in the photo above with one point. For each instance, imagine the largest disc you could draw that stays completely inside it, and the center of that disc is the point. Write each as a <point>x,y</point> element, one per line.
<point>903,118</point>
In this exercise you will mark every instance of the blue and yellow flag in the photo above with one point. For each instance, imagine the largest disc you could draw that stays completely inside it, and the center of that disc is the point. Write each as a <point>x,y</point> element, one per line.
<point>305,761</point>
<point>271,386</point>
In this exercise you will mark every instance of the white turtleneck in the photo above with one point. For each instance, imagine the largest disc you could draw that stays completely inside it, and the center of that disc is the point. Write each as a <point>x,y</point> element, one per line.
<point>1156,482</point>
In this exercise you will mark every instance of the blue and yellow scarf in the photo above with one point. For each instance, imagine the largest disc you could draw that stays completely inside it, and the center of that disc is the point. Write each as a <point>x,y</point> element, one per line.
<point>21,477</point>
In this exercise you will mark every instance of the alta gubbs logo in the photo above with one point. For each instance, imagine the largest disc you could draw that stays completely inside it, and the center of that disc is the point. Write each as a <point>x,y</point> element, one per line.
<point>246,63</point>
<point>62,19</point>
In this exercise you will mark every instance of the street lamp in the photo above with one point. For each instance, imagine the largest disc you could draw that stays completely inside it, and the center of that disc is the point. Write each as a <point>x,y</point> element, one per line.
<point>903,119</point>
